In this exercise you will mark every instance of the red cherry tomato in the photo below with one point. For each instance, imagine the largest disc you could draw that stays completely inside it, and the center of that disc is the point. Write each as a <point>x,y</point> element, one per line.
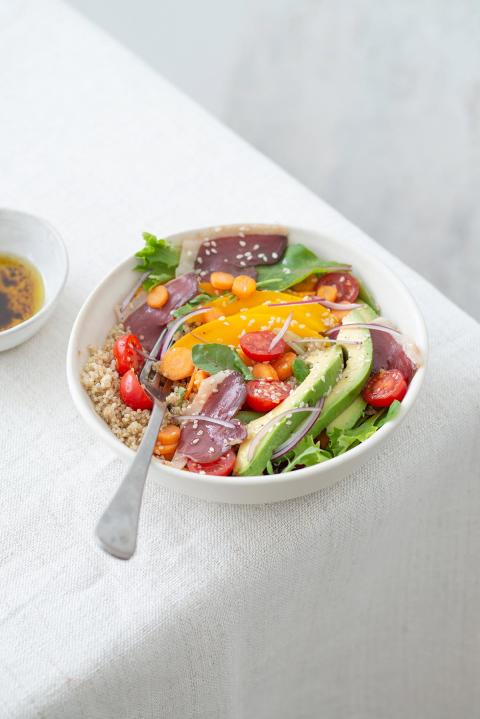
<point>132,392</point>
<point>126,354</point>
<point>347,286</point>
<point>264,395</point>
<point>385,387</point>
<point>256,346</point>
<point>221,467</point>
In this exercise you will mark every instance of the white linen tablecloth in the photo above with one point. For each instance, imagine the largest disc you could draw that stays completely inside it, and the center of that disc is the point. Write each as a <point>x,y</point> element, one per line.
<point>356,602</point>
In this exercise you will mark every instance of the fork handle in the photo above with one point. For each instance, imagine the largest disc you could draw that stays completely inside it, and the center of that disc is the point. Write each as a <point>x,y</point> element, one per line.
<point>117,529</point>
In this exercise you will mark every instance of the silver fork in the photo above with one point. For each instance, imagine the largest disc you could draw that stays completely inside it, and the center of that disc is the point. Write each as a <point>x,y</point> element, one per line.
<point>118,527</point>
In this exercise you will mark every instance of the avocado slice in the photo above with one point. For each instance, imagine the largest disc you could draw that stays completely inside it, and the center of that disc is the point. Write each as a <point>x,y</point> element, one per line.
<point>327,365</point>
<point>357,369</point>
<point>350,416</point>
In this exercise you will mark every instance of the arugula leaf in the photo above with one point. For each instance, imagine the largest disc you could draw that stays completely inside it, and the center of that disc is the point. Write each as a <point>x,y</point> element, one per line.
<point>343,439</point>
<point>194,302</point>
<point>301,370</point>
<point>306,453</point>
<point>298,262</point>
<point>158,257</point>
<point>214,358</point>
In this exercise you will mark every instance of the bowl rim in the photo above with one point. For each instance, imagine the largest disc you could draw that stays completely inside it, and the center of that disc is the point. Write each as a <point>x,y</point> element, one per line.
<point>87,411</point>
<point>44,310</point>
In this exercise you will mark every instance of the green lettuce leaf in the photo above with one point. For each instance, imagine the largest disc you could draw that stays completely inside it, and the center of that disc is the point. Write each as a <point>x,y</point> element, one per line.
<point>343,439</point>
<point>298,262</point>
<point>305,454</point>
<point>214,358</point>
<point>159,258</point>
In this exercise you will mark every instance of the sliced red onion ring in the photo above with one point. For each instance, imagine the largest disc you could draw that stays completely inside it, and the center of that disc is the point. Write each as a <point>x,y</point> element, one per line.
<point>205,418</point>
<point>124,304</point>
<point>345,306</point>
<point>267,427</point>
<point>281,332</point>
<point>329,340</point>
<point>300,432</point>
<point>176,326</point>
<point>365,326</point>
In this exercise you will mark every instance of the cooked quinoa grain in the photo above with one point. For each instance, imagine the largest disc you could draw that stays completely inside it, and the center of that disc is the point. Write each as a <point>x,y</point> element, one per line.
<point>102,382</point>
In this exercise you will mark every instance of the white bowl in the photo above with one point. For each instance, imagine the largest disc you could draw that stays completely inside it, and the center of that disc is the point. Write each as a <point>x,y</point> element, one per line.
<point>97,317</point>
<point>36,240</point>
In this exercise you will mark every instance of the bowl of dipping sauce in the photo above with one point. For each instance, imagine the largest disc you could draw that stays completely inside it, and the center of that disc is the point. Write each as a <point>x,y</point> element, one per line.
<point>33,271</point>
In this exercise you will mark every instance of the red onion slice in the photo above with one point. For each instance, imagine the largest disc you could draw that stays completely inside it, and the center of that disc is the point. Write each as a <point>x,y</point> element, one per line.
<point>176,326</point>
<point>300,432</point>
<point>281,332</point>
<point>365,326</point>
<point>270,425</point>
<point>328,340</point>
<point>205,418</point>
<point>345,306</point>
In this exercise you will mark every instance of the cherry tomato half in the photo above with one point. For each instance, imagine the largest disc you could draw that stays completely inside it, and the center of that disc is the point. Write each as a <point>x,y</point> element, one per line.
<point>256,346</point>
<point>385,387</point>
<point>347,286</point>
<point>132,392</point>
<point>221,467</point>
<point>126,354</point>
<point>264,395</point>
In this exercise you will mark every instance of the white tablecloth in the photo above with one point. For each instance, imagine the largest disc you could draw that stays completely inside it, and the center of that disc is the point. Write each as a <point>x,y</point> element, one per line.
<point>357,602</point>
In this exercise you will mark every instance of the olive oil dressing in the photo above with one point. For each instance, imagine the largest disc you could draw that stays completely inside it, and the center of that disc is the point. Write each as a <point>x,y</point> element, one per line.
<point>21,291</point>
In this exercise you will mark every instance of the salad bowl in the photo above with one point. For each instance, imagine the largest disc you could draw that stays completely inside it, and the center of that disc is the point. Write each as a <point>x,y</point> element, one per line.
<point>97,316</point>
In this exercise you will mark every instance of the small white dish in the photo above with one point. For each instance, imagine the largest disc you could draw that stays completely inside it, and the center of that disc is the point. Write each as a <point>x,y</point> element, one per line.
<point>29,237</point>
<point>97,316</point>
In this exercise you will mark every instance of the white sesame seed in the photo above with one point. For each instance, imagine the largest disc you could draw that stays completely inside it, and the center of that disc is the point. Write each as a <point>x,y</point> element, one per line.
<point>242,243</point>
<point>207,252</point>
<point>256,247</point>
<point>274,255</point>
<point>199,260</point>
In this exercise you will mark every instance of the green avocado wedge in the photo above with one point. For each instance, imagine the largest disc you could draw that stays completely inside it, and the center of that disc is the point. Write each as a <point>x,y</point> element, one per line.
<point>326,366</point>
<point>357,369</point>
<point>350,416</point>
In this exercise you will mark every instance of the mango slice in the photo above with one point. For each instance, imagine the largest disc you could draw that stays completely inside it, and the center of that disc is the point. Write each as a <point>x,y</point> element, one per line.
<point>308,321</point>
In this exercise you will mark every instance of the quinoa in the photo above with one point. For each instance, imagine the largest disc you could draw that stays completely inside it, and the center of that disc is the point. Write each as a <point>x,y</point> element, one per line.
<point>102,383</point>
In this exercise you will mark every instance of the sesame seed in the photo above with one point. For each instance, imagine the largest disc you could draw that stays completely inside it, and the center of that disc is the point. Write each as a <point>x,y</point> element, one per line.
<point>256,247</point>
<point>238,257</point>
<point>242,243</point>
<point>195,441</point>
<point>199,260</point>
<point>242,263</point>
<point>211,450</point>
<point>274,255</point>
<point>207,252</point>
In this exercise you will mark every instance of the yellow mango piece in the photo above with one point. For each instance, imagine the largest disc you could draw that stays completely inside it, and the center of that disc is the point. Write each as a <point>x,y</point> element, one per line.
<point>259,297</point>
<point>229,330</point>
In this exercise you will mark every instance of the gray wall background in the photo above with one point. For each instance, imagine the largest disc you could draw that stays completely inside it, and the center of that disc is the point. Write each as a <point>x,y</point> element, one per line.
<point>374,104</point>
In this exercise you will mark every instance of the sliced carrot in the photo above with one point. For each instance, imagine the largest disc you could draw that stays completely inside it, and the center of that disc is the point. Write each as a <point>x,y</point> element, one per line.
<point>283,366</point>
<point>170,434</point>
<point>177,363</point>
<point>221,280</point>
<point>195,381</point>
<point>157,297</point>
<point>165,450</point>
<point>264,370</point>
<point>243,286</point>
